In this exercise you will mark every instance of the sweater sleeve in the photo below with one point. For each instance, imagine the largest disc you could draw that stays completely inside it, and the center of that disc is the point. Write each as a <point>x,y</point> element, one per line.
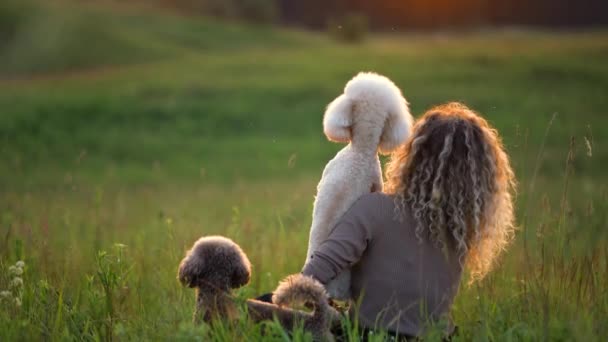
<point>345,244</point>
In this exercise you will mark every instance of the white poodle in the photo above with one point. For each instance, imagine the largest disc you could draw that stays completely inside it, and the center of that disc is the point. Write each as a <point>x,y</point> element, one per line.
<point>373,116</point>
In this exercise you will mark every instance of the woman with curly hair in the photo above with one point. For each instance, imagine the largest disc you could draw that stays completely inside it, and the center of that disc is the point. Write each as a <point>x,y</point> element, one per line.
<point>447,207</point>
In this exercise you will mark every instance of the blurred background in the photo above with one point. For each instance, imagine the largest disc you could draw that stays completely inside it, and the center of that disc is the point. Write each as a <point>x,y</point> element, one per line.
<point>163,89</point>
<point>151,123</point>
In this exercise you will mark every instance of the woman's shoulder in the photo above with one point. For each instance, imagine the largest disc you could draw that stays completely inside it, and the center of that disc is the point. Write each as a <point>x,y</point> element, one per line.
<point>376,198</point>
<point>374,204</point>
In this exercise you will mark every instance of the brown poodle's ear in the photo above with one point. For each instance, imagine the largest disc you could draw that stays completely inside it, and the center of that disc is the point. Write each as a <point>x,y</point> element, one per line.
<point>190,270</point>
<point>397,128</point>
<point>338,119</point>
<point>242,273</point>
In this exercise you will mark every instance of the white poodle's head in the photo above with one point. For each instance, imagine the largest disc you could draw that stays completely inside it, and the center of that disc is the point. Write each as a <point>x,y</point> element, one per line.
<point>372,107</point>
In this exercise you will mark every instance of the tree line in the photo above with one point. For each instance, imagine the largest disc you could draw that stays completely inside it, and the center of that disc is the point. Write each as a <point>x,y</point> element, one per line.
<point>431,14</point>
<point>408,14</point>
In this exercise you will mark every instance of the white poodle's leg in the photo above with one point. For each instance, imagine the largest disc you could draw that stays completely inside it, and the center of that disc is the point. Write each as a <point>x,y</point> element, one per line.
<point>319,231</point>
<point>377,184</point>
<point>329,206</point>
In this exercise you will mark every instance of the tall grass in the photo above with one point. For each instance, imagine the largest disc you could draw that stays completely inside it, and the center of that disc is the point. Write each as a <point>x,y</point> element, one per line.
<point>551,284</point>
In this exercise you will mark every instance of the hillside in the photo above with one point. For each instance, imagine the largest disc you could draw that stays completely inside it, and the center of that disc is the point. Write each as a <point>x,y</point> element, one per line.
<point>157,95</point>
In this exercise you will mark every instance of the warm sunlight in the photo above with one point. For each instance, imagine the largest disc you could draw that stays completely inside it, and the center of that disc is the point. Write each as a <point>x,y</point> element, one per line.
<point>318,170</point>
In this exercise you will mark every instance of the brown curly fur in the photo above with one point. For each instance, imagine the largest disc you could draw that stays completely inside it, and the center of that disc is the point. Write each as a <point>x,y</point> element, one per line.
<point>215,265</point>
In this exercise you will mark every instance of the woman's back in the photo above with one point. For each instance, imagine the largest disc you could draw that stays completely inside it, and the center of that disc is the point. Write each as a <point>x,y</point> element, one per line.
<point>400,282</point>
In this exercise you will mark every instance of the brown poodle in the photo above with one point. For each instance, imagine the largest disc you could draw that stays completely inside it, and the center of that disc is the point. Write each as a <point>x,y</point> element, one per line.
<point>215,265</point>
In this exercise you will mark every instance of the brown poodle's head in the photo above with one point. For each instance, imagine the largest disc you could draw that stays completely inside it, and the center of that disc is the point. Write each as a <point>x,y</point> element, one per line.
<point>216,262</point>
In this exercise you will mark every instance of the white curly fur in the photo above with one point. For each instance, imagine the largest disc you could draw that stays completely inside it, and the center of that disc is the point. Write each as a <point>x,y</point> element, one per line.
<point>374,117</point>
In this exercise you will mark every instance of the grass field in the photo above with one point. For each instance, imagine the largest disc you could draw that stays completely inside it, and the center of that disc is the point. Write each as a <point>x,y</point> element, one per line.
<point>126,134</point>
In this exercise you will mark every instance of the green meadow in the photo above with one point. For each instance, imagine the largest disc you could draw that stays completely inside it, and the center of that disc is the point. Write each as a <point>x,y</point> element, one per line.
<point>127,133</point>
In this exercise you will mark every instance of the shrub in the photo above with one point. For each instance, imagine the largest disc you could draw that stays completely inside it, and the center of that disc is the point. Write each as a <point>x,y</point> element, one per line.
<point>350,28</point>
<point>257,11</point>
<point>13,15</point>
<point>216,8</point>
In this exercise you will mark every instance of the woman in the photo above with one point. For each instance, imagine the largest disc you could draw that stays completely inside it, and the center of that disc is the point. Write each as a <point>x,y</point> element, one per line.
<point>447,207</point>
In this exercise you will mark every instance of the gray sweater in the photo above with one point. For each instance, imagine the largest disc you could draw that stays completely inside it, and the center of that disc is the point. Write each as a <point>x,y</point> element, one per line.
<point>400,283</point>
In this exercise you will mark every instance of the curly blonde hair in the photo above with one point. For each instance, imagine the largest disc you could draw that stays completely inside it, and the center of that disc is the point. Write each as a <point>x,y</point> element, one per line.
<point>455,177</point>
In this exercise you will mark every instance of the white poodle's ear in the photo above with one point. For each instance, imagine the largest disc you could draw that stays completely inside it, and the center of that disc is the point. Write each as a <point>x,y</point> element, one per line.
<point>338,119</point>
<point>397,127</point>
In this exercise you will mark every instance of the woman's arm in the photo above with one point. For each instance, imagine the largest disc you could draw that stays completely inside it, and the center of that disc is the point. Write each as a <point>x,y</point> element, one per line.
<point>345,244</point>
